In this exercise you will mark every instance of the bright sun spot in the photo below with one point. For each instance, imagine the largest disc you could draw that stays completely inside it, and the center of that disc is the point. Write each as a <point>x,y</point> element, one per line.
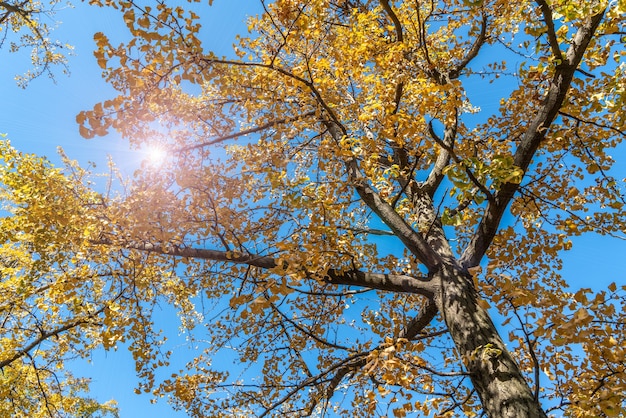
<point>155,155</point>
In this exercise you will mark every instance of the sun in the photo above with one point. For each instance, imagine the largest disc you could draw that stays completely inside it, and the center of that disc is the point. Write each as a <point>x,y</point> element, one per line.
<point>155,155</point>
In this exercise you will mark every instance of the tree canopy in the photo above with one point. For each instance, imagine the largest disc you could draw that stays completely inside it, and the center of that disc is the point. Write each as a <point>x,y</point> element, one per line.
<point>338,217</point>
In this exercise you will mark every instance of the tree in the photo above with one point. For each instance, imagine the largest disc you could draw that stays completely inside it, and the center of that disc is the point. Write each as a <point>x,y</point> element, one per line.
<point>24,17</point>
<point>54,305</point>
<point>337,164</point>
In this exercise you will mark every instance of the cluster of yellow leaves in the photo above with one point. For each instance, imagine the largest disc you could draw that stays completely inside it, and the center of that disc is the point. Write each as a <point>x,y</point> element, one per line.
<point>30,22</point>
<point>50,297</point>
<point>23,387</point>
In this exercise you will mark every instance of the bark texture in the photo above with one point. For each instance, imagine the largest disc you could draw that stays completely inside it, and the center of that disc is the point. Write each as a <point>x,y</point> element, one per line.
<point>502,388</point>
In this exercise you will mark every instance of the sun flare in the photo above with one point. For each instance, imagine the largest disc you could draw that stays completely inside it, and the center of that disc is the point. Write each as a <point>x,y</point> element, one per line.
<point>156,155</point>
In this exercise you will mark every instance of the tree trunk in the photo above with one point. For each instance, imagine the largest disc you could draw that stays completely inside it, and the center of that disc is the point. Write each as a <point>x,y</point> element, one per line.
<point>503,390</point>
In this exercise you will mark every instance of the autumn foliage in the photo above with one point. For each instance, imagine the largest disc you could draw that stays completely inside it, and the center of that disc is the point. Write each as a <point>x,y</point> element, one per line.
<point>339,224</point>
<point>26,26</point>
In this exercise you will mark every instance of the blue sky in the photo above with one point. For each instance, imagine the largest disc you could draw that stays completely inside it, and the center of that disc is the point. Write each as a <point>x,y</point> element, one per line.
<point>42,117</point>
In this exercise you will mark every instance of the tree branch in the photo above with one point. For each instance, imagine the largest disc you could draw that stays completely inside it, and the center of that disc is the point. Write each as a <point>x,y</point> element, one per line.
<point>547,18</point>
<point>594,123</point>
<point>430,185</point>
<point>379,281</point>
<point>306,332</point>
<point>470,175</point>
<point>245,132</point>
<point>414,242</point>
<point>394,18</point>
<point>473,52</point>
<point>368,231</point>
<point>271,67</point>
<point>414,327</point>
<point>44,335</point>
<point>409,237</point>
<point>11,8</point>
<point>417,324</point>
<point>535,133</point>
<point>312,381</point>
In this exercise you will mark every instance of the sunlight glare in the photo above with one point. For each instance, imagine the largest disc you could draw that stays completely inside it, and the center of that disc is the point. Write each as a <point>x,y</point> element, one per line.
<point>156,155</point>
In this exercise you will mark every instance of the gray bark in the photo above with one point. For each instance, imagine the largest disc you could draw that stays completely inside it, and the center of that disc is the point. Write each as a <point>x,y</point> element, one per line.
<point>503,390</point>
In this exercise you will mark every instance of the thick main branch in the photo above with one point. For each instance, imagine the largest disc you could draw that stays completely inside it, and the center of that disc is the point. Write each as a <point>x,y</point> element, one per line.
<point>379,281</point>
<point>535,133</point>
